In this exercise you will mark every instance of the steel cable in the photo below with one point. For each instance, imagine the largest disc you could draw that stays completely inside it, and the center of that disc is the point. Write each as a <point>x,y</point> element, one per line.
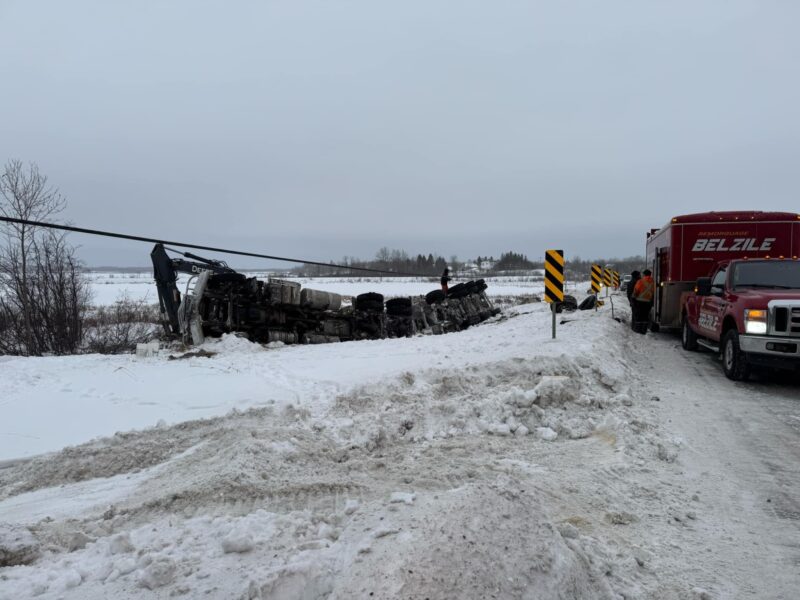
<point>138,238</point>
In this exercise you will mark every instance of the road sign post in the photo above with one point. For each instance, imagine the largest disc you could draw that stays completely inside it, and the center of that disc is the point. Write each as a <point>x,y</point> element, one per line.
<point>607,279</point>
<point>554,281</point>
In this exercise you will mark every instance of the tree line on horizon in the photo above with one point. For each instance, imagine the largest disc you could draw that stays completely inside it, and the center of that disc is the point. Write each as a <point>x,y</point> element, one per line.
<point>433,265</point>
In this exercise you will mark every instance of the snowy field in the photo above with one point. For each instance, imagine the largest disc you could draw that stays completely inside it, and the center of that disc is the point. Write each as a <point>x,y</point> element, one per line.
<point>490,463</point>
<point>108,287</point>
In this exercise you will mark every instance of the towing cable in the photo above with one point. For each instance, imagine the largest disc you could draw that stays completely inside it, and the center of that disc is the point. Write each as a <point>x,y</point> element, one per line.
<point>138,238</point>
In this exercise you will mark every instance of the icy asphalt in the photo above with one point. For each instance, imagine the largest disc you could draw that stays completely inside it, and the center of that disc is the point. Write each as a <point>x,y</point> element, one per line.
<point>491,463</point>
<point>741,453</point>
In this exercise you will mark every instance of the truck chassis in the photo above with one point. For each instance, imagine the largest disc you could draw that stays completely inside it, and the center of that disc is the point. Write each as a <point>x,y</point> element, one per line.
<point>219,300</point>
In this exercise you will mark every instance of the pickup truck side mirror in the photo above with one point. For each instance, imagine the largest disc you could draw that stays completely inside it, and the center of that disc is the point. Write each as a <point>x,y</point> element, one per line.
<point>703,286</point>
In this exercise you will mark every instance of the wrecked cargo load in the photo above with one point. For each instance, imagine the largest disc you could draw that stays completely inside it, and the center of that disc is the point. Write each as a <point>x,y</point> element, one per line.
<point>318,300</point>
<point>218,300</point>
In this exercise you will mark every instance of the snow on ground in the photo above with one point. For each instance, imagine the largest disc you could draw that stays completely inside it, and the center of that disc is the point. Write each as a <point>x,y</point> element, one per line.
<point>494,462</point>
<point>108,287</point>
<point>99,395</point>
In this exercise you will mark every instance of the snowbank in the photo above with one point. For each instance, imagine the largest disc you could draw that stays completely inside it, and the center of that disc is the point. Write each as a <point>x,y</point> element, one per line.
<point>99,395</point>
<point>467,465</point>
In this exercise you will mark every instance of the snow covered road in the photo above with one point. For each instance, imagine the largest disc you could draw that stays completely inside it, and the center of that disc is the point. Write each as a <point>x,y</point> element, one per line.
<point>490,463</point>
<point>740,454</point>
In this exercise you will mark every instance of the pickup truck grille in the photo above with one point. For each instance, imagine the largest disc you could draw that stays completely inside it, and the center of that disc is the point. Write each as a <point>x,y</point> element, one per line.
<point>786,320</point>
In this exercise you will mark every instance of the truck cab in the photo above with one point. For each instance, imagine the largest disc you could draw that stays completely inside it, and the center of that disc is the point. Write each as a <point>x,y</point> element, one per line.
<point>749,311</point>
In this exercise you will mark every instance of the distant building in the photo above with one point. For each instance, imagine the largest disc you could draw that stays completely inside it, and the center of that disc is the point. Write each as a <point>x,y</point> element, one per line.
<point>488,265</point>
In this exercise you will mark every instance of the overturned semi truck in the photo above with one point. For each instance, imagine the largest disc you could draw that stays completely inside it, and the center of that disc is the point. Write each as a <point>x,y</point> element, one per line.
<point>219,300</point>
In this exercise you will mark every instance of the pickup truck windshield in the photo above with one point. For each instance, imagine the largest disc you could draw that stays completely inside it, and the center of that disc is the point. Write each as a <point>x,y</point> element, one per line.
<point>781,274</point>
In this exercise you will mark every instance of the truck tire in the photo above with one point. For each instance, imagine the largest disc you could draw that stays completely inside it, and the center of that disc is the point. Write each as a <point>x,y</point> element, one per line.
<point>399,307</point>
<point>734,362</point>
<point>370,297</point>
<point>459,290</point>
<point>435,297</point>
<point>569,304</point>
<point>688,336</point>
<point>370,302</point>
<point>588,303</point>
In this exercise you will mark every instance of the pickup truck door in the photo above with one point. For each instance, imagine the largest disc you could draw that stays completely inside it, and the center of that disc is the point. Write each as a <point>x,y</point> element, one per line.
<point>712,308</point>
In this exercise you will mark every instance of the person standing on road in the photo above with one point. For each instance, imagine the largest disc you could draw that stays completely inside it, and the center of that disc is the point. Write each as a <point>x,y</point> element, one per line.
<point>445,279</point>
<point>635,277</point>
<point>643,293</point>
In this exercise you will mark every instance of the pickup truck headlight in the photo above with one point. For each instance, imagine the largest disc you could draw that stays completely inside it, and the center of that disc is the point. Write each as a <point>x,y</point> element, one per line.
<point>755,321</point>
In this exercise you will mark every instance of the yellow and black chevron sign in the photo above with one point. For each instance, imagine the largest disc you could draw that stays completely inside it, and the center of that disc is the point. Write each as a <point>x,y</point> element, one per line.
<point>607,277</point>
<point>615,279</point>
<point>554,276</point>
<point>597,275</point>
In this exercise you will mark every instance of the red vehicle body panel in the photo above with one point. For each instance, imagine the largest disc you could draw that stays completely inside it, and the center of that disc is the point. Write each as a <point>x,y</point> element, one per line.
<point>691,246</point>
<point>710,316</point>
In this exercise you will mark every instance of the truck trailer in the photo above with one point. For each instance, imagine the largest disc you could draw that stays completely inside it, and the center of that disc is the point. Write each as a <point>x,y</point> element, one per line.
<point>691,246</point>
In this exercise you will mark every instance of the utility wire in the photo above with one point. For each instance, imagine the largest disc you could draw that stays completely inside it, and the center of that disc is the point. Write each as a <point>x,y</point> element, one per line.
<point>137,238</point>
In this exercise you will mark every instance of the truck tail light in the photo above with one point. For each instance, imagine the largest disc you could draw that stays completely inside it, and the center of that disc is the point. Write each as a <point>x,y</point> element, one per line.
<point>755,321</point>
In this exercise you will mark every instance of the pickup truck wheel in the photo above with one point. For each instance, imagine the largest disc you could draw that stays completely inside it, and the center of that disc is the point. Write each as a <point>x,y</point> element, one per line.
<point>688,337</point>
<point>733,359</point>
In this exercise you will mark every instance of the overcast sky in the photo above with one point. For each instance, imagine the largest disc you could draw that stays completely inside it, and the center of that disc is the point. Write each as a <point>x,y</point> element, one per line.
<point>331,128</point>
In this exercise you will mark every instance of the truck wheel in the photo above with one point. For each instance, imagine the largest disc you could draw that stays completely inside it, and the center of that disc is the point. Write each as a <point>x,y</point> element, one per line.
<point>435,297</point>
<point>688,336</point>
<point>733,359</point>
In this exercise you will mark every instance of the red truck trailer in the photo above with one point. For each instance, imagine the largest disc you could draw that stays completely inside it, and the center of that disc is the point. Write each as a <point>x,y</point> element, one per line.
<point>691,246</point>
<point>731,282</point>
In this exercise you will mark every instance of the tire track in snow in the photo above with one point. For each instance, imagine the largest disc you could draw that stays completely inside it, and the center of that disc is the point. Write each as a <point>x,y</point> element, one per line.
<point>743,460</point>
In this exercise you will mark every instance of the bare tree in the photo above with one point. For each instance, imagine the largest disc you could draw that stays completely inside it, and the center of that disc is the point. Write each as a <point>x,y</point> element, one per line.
<point>43,295</point>
<point>383,256</point>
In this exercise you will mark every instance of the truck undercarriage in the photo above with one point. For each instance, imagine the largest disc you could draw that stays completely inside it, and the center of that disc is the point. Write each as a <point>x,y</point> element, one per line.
<point>219,300</point>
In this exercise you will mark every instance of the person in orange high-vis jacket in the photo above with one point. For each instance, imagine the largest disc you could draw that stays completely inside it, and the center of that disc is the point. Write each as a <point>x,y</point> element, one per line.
<point>643,293</point>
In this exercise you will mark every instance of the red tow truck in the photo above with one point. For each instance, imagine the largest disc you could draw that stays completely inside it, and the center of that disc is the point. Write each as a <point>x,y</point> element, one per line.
<point>730,281</point>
